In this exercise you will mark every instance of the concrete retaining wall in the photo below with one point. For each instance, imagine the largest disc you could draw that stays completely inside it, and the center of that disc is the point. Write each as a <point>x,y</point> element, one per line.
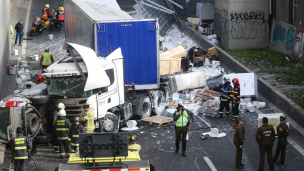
<point>242,24</point>
<point>278,99</point>
<point>5,41</point>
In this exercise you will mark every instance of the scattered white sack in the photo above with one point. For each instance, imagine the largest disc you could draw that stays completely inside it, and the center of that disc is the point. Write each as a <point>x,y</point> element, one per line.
<point>18,80</point>
<point>242,106</point>
<point>162,39</point>
<point>247,99</point>
<point>180,35</point>
<point>131,123</point>
<point>211,37</point>
<point>214,132</point>
<point>214,41</point>
<point>175,96</point>
<point>261,105</point>
<point>250,107</point>
<point>222,134</point>
<point>201,29</point>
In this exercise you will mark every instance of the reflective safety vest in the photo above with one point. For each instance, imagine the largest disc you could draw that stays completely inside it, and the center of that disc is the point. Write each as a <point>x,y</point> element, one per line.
<point>21,146</point>
<point>61,15</point>
<point>182,120</point>
<point>235,94</point>
<point>89,116</point>
<point>225,92</point>
<point>74,134</point>
<point>62,129</point>
<point>47,59</point>
<point>12,33</point>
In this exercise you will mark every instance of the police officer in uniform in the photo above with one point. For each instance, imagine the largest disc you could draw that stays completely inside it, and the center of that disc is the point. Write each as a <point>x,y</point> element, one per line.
<point>265,137</point>
<point>75,130</point>
<point>225,98</point>
<point>239,134</point>
<point>62,127</point>
<point>88,119</point>
<point>21,145</point>
<point>182,118</point>
<point>283,132</point>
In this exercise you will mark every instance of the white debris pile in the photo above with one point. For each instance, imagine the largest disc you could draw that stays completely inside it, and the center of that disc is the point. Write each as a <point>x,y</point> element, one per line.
<point>209,71</point>
<point>23,74</point>
<point>247,105</point>
<point>174,37</point>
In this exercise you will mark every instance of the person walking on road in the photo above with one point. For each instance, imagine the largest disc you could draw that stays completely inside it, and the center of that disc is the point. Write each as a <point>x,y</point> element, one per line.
<point>225,98</point>
<point>19,29</point>
<point>75,130</point>
<point>62,127</point>
<point>265,137</point>
<point>88,119</point>
<point>239,137</point>
<point>283,132</point>
<point>12,33</point>
<point>182,119</point>
<point>46,59</point>
<point>21,145</point>
<point>235,97</point>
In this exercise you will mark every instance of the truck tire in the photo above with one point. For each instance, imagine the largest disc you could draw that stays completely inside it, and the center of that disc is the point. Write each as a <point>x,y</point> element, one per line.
<point>144,106</point>
<point>159,100</point>
<point>44,139</point>
<point>109,123</point>
<point>33,123</point>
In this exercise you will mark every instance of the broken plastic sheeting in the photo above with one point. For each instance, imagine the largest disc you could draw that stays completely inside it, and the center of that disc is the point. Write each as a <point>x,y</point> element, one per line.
<point>222,134</point>
<point>94,67</point>
<point>187,81</point>
<point>214,82</point>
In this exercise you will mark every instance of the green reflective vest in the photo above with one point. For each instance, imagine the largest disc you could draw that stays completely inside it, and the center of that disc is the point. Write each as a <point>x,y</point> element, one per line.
<point>12,33</point>
<point>182,120</point>
<point>47,59</point>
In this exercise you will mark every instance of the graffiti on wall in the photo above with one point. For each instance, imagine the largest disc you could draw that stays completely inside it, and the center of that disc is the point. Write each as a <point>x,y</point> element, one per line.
<point>290,37</point>
<point>298,45</point>
<point>278,35</point>
<point>245,26</point>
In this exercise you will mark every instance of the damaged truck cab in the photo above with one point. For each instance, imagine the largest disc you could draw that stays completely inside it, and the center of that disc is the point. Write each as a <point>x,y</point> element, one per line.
<point>86,78</point>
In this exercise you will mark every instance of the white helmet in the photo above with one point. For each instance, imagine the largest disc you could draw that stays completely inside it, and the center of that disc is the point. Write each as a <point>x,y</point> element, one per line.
<point>62,112</point>
<point>60,106</point>
<point>227,78</point>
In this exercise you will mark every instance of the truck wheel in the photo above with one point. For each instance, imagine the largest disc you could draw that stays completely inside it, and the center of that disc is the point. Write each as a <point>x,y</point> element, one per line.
<point>158,99</point>
<point>44,139</point>
<point>33,123</point>
<point>143,106</point>
<point>109,123</point>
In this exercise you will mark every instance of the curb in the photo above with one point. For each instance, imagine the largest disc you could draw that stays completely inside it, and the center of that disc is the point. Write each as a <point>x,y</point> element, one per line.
<point>275,97</point>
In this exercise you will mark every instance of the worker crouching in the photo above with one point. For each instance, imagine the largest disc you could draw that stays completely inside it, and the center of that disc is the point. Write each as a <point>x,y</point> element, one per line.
<point>182,120</point>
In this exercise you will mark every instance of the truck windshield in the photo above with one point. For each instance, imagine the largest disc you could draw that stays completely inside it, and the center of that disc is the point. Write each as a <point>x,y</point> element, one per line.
<point>57,85</point>
<point>4,122</point>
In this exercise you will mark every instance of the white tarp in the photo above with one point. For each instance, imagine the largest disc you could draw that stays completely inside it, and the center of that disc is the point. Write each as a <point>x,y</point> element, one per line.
<point>247,83</point>
<point>102,10</point>
<point>97,76</point>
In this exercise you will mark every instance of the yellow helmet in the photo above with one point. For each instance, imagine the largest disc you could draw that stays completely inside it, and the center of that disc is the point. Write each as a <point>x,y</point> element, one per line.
<point>47,5</point>
<point>61,8</point>
<point>60,106</point>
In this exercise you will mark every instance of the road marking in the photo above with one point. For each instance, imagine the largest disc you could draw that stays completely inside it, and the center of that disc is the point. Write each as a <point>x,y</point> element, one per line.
<point>295,145</point>
<point>291,141</point>
<point>208,161</point>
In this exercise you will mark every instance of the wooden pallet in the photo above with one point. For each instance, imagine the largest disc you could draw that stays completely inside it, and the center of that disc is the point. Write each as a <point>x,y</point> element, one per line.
<point>211,93</point>
<point>157,120</point>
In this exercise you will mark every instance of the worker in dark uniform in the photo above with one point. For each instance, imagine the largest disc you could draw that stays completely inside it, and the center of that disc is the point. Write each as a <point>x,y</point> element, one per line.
<point>21,145</point>
<point>283,132</point>
<point>265,137</point>
<point>235,97</point>
<point>62,127</point>
<point>239,134</point>
<point>225,98</point>
<point>182,119</point>
<point>75,130</point>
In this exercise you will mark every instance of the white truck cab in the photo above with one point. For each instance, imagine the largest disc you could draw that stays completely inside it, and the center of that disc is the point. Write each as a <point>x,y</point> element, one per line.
<point>87,78</point>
